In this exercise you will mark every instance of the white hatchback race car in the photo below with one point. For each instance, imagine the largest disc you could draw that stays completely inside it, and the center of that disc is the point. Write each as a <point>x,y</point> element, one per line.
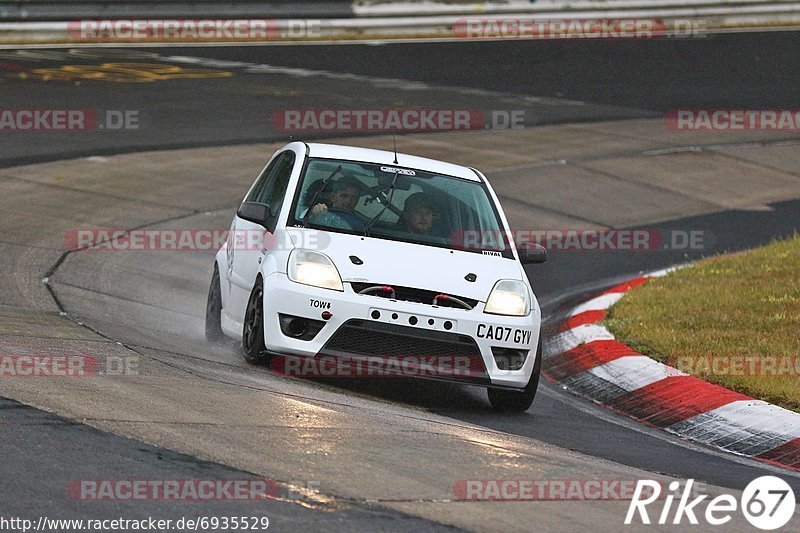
<point>380,260</point>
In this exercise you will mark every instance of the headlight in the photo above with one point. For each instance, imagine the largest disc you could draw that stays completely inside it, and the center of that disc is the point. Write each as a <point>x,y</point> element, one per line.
<point>313,268</point>
<point>508,297</point>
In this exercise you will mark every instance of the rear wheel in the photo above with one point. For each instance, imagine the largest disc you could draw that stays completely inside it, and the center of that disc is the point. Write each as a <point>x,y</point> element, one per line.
<point>511,401</point>
<point>253,330</point>
<point>214,309</point>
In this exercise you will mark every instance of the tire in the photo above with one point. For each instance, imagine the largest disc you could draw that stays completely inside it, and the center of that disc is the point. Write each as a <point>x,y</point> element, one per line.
<point>253,328</point>
<point>214,309</point>
<point>511,401</point>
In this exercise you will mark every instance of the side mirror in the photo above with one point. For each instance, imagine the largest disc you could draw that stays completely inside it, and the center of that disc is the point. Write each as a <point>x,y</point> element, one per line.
<point>256,213</point>
<point>532,253</point>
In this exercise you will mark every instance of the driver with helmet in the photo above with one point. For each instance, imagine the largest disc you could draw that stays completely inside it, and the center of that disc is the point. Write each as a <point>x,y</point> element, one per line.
<point>343,199</point>
<point>344,196</point>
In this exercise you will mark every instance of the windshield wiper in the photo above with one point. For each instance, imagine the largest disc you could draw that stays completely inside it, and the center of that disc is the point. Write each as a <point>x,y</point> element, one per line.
<point>385,207</point>
<point>316,195</point>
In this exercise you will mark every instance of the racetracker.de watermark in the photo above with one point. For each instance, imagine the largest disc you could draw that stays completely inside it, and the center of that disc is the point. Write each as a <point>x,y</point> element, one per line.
<point>588,28</point>
<point>545,489</point>
<point>192,240</point>
<point>66,366</point>
<point>586,240</point>
<point>68,120</point>
<point>193,29</point>
<point>322,366</point>
<point>740,365</point>
<point>321,120</point>
<point>733,119</point>
<point>187,489</point>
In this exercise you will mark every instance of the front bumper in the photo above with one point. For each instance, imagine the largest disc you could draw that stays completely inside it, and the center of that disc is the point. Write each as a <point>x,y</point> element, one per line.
<point>368,326</point>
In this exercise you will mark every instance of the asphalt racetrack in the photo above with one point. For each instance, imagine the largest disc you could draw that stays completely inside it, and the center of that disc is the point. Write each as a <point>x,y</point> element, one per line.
<point>198,411</point>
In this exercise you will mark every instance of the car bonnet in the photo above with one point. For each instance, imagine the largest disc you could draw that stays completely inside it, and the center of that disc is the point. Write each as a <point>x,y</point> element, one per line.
<point>362,259</point>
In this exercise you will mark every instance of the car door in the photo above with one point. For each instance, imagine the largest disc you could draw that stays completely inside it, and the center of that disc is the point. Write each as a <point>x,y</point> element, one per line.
<point>246,245</point>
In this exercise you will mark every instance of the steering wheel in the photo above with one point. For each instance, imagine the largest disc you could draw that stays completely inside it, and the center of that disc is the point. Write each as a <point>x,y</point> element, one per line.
<point>341,219</point>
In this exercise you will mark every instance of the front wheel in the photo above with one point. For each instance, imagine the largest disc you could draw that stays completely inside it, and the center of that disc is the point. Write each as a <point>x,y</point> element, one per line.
<point>511,401</point>
<point>214,309</point>
<point>253,330</point>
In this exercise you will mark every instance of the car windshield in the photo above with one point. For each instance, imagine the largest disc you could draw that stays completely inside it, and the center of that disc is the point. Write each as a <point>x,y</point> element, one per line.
<point>397,203</point>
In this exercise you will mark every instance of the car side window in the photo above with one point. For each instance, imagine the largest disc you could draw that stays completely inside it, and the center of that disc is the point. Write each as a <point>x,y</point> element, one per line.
<point>271,186</point>
<point>261,182</point>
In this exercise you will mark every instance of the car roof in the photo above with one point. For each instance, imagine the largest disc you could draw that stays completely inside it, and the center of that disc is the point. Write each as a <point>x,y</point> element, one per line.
<point>383,157</point>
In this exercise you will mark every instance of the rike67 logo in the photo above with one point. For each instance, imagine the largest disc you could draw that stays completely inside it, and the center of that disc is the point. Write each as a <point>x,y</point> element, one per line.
<point>768,503</point>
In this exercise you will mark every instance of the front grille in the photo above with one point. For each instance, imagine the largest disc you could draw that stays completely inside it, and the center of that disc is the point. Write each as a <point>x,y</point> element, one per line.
<point>412,294</point>
<point>395,342</point>
<point>378,338</point>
